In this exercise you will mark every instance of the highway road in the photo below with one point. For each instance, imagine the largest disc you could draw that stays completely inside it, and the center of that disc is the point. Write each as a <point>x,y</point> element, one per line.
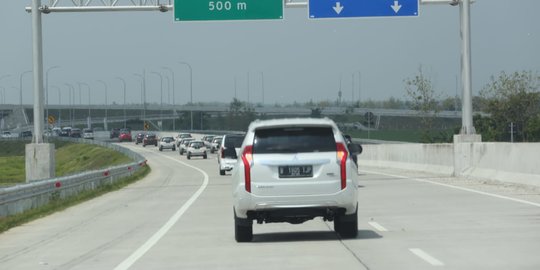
<point>180,217</point>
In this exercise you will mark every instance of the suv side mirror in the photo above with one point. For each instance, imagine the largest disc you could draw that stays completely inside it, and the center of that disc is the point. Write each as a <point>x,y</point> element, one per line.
<point>355,148</point>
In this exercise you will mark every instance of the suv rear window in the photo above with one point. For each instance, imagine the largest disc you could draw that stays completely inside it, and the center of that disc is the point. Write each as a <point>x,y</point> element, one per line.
<point>294,140</point>
<point>233,141</point>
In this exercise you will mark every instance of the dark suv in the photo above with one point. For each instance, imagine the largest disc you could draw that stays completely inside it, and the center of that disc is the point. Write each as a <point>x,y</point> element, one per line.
<point>115,132</point>
<point>150,139</point>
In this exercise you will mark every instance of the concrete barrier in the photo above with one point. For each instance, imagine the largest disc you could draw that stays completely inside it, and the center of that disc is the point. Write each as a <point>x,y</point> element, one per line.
<point>517,163</point>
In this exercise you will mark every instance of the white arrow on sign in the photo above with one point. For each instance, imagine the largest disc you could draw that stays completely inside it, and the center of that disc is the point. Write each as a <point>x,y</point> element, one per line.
<point>396,7</point>
<point>338,8</point>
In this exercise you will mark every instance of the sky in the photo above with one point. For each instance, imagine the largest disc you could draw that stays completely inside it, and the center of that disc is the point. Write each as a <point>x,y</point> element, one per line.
<point>300,59</point>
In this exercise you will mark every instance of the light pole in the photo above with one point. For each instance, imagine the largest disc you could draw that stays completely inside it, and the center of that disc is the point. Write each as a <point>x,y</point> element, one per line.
<point>59,106</point>
<point>59,113</point>
<point>3,95</point>
<point>124,83</point>
<point>47,89</point>
<point>161,92</point>
<point>106,90</point>
<point>190,88</point>
<point>143,90</point>
<point>21,85</point>
<point>173,95</point>
<point>89,119</point>
<point>71,98</point>
<point>172,78</point>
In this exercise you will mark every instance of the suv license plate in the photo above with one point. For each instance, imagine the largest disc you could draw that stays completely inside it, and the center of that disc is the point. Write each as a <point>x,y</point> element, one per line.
<point>295,171</point>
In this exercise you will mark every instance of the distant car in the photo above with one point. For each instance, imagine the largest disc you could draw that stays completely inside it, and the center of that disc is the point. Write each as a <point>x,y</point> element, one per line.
<point>25,134</point>
<point>183,145</point>
<point>139,138</point>
<point>75,133</point>
<point>207,140</point>
<point>115,132</point>
<point>181,136</point>
<point>216,142</point>
<point>167,143</point>
<point>196,148</point>
<point>228,152</point>
<point>6,134</point>
<point>88,133</point>
<point>125,136</point>
<point>65,132</point>
<point>150,139</point>
<point>56,131</point>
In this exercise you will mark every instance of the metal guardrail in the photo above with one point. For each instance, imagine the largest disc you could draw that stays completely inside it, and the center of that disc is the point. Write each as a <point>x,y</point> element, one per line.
<point>19,198</point>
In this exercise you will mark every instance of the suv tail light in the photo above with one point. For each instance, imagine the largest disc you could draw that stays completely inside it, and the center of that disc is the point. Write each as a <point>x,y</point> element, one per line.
<point>342,156</point>
<point>247,158</point>
<point>222,152</point>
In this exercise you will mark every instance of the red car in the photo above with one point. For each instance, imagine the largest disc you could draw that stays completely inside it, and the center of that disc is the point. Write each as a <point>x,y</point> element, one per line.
<point>125,136</point>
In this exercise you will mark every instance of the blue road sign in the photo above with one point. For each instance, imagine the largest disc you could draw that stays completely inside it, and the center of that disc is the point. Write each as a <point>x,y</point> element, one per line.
<point>362,8</point>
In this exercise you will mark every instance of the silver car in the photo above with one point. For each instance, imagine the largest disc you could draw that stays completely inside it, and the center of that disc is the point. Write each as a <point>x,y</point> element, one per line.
<point>167,143</point>
<point>196,148</point>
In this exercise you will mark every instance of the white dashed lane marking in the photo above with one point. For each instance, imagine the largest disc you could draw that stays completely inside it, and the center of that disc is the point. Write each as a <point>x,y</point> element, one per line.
<point>426,257</point>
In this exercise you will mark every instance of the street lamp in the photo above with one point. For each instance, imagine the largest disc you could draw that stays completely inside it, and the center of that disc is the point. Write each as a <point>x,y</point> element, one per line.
<point>47,89</point>
<point>143,91</point>
<point>161,88</point>
<point>89,121</point>
<point>161,92</point>
<point>105,85</point>
<point>59,111</point>
<point>3,95</point>
<point>124,83</point>
<point>172,78</point>
<point>71,98</point>
<point>21,85</point>
<point>173,95</point>
<point>190,88</point>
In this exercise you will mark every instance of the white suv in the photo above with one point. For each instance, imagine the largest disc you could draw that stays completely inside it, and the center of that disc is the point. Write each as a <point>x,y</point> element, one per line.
<point>228,152</point>
<point>293,170</point>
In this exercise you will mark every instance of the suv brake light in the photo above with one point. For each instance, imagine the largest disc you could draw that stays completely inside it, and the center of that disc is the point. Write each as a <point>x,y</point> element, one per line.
<point>247,158</point>
<point>342,156</point>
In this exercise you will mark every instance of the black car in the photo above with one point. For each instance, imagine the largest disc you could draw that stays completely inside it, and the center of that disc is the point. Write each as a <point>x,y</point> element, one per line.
<point>75,133</point>
<point>115,132</point>
<point>26,134</point>
<point>139,138</point>
<point>150,139</point>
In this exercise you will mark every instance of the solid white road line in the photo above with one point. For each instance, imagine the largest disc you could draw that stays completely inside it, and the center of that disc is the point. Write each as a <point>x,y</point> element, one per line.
<point>426,257</point>
<point>127,263</point>
<point>456,187</point>
<point>377,226</point>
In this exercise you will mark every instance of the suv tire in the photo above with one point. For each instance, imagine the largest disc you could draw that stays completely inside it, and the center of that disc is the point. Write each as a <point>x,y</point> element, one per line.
<point>243,229</point>
<point>221,172</point>
<point>347,225</point>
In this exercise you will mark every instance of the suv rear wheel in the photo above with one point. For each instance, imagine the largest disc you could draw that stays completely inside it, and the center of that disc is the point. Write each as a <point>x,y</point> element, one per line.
<point>347,225</point>
<point>243,229</point>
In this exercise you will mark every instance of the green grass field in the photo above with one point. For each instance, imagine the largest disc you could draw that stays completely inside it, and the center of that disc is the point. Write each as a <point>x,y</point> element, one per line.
<point>70,158</point>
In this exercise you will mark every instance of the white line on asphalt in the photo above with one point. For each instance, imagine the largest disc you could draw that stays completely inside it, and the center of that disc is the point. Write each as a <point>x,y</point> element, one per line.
<point>127,263</point>
<point>426,257</point>
<point>377,226</point>
<point>456,187</point>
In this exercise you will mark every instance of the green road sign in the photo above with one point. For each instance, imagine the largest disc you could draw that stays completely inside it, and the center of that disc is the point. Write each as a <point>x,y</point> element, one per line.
<point>210,10</point>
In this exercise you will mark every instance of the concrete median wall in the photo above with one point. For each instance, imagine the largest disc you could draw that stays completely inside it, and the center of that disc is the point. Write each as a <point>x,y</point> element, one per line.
<point>517,163</point>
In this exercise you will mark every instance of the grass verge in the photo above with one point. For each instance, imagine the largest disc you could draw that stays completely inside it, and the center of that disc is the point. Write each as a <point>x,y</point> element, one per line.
<point>56,205</point>
<point>70,158</point>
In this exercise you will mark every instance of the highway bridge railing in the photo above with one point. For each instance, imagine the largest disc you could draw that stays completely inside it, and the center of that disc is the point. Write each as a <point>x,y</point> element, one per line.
<point>22,197</point>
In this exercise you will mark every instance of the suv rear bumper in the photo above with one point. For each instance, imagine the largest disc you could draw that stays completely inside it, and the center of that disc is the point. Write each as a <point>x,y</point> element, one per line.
<point>246,203</point>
